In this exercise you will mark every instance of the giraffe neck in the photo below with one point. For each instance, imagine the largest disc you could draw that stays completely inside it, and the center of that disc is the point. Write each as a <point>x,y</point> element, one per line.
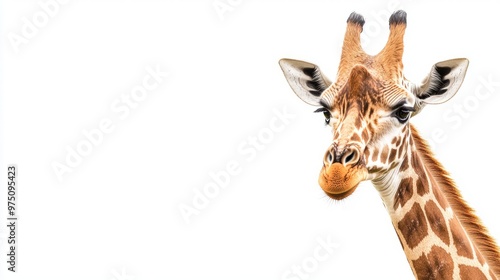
<point>438,233</point>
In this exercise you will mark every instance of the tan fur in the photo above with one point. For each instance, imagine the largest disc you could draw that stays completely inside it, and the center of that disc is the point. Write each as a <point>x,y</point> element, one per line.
<point>352,52</point>
<point>387,62</point>
<point>391,55</point>
<point>472,224</point>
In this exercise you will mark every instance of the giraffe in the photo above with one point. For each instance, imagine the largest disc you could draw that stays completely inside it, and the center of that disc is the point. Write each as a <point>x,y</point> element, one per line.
<point>369,107</point>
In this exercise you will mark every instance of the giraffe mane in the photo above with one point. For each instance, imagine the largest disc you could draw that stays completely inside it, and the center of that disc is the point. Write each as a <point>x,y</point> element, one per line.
<point>480,236</point>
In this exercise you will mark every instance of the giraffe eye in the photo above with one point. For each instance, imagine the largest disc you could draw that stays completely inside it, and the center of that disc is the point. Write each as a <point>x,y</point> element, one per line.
<point>326,113</point>
<point>403,114</point>
<point>327,117</point>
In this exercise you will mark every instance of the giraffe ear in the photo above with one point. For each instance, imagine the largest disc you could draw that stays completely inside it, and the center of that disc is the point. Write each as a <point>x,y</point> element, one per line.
<point>443,81</point>
<point>305,79</point>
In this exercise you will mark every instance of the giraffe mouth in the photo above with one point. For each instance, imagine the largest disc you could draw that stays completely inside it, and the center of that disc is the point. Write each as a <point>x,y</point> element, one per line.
<point>340,196</point>
<point>339,182</point>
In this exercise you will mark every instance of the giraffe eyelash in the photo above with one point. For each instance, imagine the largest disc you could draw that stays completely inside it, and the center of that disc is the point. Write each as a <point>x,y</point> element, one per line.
<point>321,110</point>
<point>326,113</point>
<point>402,104</point>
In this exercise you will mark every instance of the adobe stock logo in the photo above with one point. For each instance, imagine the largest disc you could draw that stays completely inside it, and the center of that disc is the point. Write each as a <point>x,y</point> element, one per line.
<point>121,275</point>
<point>121,107</point>
<point>324,249</point>
<point>454,118</point>
<point>222,7</point>
<point>250,148</point>
<point>31,26</point>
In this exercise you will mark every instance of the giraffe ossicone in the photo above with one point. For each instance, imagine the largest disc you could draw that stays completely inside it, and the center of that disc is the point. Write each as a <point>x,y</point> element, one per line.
<point>369,107</point>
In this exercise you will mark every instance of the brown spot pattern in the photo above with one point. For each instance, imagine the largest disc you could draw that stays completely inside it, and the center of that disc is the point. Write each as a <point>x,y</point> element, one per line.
<point>392,155</point>
<point>404,164</point>
<point>471,273</point>
<point>438,264</point>
<point>384,154</point>
<point>364,135</point>
<point>357,122</point>
<point>413,226</point>
<point>355,137</point>
<point>460,240</point>
<point>400,151</point>
<point>366,154</point>
<point>437,221</point>
<point>404,192</point>
<point>440,198</point>
<point>375,155</point>
<point>422,185</point>
<point>415,163</point>
<point>398,143</point>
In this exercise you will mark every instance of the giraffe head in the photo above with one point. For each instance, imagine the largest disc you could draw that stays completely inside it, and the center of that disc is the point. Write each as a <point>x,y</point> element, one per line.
<point>369,105</point>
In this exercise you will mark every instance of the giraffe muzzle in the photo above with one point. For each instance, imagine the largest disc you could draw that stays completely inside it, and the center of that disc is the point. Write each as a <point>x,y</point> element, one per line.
<point>342,172</point>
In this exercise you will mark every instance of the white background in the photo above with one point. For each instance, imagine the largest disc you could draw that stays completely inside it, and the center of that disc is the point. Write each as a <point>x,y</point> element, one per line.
<point>117,215</point>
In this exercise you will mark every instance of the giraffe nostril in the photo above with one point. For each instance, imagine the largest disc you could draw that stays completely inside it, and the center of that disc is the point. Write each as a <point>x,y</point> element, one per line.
<point>351,156</point>
<point>329,157</point>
